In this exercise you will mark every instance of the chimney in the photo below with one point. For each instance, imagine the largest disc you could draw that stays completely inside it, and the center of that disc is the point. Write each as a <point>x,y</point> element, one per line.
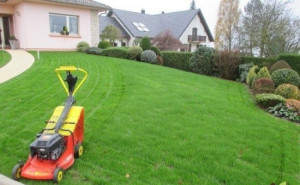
<point>143,11</point>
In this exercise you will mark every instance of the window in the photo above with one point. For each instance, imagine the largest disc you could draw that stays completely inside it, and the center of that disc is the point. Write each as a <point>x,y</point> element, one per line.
<point>194,34</point>
<point>57,22</point>
<point>140,26</point>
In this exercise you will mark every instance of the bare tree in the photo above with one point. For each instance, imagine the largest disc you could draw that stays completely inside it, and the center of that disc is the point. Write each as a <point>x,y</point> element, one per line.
<point>166,41</point>
<point>228,17</point>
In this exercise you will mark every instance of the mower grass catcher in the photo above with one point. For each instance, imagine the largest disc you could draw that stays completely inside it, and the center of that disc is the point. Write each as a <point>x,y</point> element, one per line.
<point>57,145</point>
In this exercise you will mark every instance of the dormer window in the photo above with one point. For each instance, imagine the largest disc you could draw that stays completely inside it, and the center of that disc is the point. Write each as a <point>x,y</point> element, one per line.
<point>140,26</point>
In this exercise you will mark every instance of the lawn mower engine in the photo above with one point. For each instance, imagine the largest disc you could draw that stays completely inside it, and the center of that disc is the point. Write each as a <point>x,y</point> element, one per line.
<point>48,146</point>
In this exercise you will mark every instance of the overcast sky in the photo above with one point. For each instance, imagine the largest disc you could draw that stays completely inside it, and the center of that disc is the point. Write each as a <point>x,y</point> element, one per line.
<point>209,8</point>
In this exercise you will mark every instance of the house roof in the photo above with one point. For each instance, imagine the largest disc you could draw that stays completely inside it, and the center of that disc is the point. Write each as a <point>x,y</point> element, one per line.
<point>87,3</point>
<point>177,22</point>
<point>106,21</point>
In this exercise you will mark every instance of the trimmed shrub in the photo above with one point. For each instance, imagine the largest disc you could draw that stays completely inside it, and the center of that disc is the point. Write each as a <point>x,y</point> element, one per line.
<point>244,70</point>
<point>201,61</point>
<point>292,59</point>
<point>288,91</point>
<point>263,85</point>
<point>149,56</point>
<point>93,50</point>
<point>134,53</point>
<point>227,63</point>
<point>156,50</point>
<point>145,43</point>
<point>82,46</point>
<point>268,100</point>
<point>285,76</point>
<point>263,73</point>
<point>294,104</point>
<point>281,64</point>
<point>260,62</point>
<point>104,44</point>
<point>178,60</point>
<point>252,75</point>
<point>115,52</point>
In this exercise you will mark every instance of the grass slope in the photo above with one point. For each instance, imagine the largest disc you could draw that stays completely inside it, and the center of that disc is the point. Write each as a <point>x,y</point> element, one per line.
<point>158,125</point>
<point>4,58</point>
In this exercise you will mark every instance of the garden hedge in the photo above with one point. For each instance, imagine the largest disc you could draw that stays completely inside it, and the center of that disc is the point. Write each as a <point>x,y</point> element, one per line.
<point>260,62</point>
<point>115,52</point>
<point>178,60</point>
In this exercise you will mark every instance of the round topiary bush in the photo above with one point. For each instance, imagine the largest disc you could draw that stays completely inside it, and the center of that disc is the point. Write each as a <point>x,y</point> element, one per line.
<point>82,46</point>
<point>263,85</point>
<point>201,61</point>
<point>269,100</point>
<point>252,75</point>
<point>280,64</point>
<point>156,50</point>
<point>149,56</point>
<point>294,104</point>
<point>285,76</point>
<point>288,91</point>
<point>134,53</point>
<point>104,44</point>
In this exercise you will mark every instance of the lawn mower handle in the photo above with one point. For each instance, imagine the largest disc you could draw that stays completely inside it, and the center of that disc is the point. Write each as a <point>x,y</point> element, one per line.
<point>70,68</point>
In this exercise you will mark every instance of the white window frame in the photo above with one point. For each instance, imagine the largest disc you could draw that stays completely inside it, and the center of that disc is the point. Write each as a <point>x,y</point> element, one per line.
<point>67,22</point>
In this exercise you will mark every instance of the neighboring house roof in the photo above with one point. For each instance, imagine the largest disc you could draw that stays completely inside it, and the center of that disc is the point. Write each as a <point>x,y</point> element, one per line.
<point>177,22</point>
<point>88,3</point>
<point>106,21</point>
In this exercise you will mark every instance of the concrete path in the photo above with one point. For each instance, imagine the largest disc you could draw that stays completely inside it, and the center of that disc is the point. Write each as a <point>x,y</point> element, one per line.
<point>20,62</point>
<point>7,181</point>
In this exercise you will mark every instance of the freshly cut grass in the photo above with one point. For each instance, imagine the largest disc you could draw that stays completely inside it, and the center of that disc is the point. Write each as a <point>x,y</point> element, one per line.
<point>147,124</point>
<point>4,58</point>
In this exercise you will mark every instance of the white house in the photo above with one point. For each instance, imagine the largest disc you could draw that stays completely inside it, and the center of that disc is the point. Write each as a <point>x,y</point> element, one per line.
<point>188,26</point>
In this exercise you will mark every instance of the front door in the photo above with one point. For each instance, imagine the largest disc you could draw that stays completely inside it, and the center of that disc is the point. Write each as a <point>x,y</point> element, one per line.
<point>4,32</point>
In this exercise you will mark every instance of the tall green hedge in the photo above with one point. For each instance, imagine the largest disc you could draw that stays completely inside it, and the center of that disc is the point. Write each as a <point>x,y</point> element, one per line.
<point>292,59</point>
<point>178,60</point>
<point>115,52</point>
<point>261,62</point>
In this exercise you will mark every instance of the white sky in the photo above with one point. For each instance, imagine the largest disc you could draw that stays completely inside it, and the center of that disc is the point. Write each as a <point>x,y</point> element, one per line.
<point>209,8</point>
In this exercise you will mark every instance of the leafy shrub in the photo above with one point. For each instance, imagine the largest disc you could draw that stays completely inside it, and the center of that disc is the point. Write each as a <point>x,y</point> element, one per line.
<point>104,44</point>
<point>252,75</point>
<point>93,50</point>
<point>288,91</point>
<point>227,63</point>
<point>268,100</point>
<point>201,61</point>
<point>281,64</point>
<point>82,46</point>
<point>282,111</point>
<point>134,53</point>
<point>263,85</point>
<point>293,104</point>
<point>178,60</point>
<point>160,60</point>
<point>260,62</point>
<point>149,56</point>
<point>145,43</point>
<point>285,76</point>
<point>263,73</point>
<point>244,70</point>
<point>115,52</point>
<point>292,59</point>
<point>156,50</point>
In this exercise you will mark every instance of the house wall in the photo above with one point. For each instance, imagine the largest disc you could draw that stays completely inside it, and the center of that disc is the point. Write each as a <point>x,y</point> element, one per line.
<point>4,9</point>
<point>195,23</point>
<point>32,26</point>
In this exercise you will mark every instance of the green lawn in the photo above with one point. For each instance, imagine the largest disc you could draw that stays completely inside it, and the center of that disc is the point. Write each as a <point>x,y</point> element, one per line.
<point>4,58</point>
<point>156,124</point>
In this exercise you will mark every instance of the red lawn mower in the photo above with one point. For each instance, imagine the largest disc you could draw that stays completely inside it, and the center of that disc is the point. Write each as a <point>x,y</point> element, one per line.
<point>56,146</point>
